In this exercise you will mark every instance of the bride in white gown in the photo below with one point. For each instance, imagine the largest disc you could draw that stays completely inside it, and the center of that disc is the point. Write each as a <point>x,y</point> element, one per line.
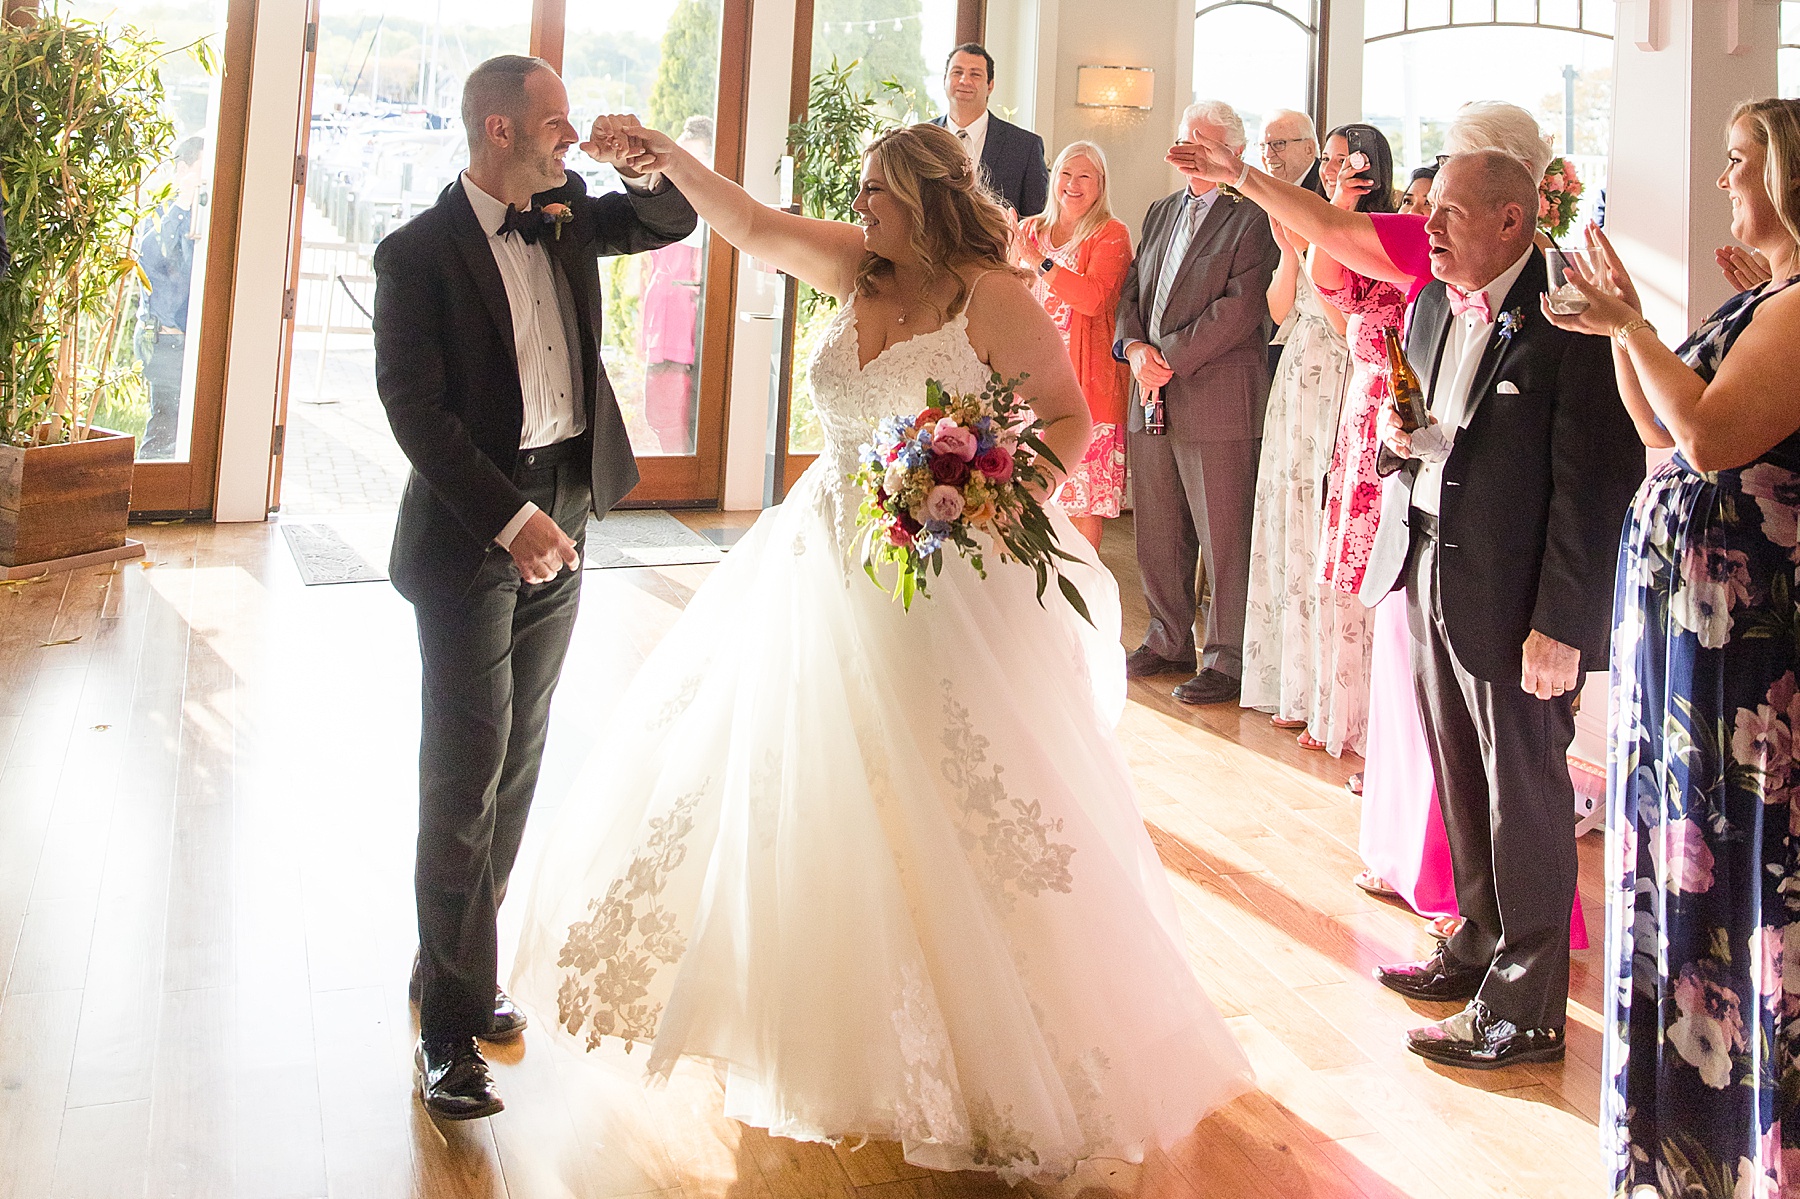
<point>885,866</point>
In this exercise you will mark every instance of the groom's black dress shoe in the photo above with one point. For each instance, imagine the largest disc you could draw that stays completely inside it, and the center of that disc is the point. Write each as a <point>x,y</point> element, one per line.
<point>508,1021</point>
<point>1475,1039</point>
<point>1436,979</point>
<point>453,1080</point>
<point>1143,662</point>
<point>1208,687</point>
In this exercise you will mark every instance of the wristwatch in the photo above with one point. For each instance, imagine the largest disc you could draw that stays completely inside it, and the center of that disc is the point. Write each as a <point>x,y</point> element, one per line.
<point>1046,266</point>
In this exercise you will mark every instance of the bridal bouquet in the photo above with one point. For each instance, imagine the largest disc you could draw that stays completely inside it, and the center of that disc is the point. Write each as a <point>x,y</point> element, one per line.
<point>956,475</point>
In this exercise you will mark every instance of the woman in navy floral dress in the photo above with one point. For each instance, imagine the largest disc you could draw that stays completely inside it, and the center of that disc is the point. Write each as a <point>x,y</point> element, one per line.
<point>1703,943</point>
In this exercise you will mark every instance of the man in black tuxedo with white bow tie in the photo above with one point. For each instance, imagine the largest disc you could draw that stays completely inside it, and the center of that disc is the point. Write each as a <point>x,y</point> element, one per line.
<point>487,336</point>
<point>1504,530</point>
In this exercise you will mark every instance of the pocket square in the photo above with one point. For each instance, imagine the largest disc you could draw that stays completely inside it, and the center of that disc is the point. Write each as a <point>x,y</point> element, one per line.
<point>1506,388</point>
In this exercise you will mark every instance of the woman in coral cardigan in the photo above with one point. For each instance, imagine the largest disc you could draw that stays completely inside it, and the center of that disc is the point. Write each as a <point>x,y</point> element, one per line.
<point>1080,253</point>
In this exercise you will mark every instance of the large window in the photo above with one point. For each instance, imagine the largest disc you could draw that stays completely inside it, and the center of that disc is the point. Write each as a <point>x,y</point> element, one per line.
<point>163,302</point>
<point>1258,56</point>
<point>1426,58</point>
<point>660,59</point>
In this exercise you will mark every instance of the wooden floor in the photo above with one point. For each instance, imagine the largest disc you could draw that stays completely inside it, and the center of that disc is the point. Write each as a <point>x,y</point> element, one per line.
<point>206,822</point>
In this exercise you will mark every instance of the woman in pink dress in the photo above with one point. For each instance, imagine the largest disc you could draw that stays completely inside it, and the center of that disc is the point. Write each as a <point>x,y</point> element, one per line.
<point>1402,840</point>
<point>1080,254</point>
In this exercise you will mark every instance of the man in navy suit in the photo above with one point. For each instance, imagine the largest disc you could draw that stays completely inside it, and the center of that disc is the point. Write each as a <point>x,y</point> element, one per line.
<point>1011,158</point>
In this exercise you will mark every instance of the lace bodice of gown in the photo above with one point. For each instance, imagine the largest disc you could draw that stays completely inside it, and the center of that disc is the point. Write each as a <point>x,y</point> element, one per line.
<point>850,401</point>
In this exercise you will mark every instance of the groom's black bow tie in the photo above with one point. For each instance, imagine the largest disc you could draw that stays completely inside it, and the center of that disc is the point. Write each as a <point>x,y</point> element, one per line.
<point>529,225</point>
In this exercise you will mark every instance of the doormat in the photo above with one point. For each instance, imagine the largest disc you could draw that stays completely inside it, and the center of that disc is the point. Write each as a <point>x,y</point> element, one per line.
<point>325,557</point>
<point>649,537</point>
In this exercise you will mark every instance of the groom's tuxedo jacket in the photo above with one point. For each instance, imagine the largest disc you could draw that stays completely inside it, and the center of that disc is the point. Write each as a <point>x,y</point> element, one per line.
<point>1534,491</point>
<point>446,369</point>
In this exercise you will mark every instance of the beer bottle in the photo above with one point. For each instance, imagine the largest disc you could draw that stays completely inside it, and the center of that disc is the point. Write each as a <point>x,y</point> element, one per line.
<point>1409,398</point>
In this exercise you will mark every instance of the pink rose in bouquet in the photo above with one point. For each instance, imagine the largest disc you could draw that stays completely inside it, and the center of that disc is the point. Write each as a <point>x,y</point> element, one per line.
<point>948,437</point>
<point>996,463</point>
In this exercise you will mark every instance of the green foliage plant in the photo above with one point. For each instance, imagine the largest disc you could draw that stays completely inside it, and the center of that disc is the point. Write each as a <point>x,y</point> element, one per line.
<point>687,77</point>
<point>82,129</point>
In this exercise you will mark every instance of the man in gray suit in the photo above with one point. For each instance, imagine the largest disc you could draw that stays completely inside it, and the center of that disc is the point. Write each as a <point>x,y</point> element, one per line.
<point>1194,325</point>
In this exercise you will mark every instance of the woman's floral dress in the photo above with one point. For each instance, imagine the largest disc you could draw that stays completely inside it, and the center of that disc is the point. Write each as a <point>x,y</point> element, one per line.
<point>1353,489</point>
<point>1704,887</point>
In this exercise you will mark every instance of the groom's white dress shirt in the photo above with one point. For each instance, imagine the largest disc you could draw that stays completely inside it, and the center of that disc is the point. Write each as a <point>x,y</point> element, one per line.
<point>544,337</point>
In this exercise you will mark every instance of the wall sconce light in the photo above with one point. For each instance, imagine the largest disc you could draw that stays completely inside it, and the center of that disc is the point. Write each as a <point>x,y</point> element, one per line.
<point>1115,87</point>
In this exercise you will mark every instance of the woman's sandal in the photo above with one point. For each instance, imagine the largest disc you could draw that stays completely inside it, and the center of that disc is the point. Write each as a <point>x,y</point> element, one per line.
<point>1307,742</point>
<point>1354,784</point>
<point>1444,927</point>
<point>1279,723</point>
<point>1374,884</point>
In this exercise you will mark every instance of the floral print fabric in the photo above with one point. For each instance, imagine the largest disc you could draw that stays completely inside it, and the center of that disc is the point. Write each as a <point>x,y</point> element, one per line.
<point>1703,883</point>
<point>1353,489</point>
<point>1097,484</point>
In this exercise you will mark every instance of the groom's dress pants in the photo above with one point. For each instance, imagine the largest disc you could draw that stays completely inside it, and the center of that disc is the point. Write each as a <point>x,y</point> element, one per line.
<point>491,658</point>
<point>1499,755</point>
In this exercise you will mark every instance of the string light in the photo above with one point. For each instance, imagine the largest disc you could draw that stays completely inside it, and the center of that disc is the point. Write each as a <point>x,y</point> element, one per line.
<point>896,23</point>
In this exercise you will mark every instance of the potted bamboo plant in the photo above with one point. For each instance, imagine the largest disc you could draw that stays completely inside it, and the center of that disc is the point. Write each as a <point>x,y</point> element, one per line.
<point>82,129</point>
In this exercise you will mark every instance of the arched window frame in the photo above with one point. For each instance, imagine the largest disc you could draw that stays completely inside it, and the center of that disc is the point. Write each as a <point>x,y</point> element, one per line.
<point>1314,31</point>
<point>1407,25</point>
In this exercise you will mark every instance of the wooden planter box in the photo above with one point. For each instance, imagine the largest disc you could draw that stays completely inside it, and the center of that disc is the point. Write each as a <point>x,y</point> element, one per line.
<point>65,501</point>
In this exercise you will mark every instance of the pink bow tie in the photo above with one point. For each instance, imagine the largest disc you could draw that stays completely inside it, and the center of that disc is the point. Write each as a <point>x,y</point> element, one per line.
<point>1477,304</point>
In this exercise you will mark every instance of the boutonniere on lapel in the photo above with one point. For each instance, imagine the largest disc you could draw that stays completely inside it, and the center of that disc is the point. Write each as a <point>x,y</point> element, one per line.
<point>1509,323</point>
<point>557,215</point>
<point>1230,193</point>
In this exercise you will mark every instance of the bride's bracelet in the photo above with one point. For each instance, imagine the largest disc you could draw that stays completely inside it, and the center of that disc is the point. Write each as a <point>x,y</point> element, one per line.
<point>1243,178</point>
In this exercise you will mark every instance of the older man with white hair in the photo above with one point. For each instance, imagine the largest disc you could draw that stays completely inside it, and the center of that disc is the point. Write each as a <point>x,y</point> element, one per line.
<point>1194,325</point>
<point>1290,148</point>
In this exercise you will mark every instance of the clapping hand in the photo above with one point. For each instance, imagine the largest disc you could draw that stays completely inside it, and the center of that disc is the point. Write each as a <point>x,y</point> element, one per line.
<point>1743,269</point>
<point>1612,296</point>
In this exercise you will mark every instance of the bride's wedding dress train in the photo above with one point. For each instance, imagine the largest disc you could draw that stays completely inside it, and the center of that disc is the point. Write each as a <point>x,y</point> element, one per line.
<point>882,865</point>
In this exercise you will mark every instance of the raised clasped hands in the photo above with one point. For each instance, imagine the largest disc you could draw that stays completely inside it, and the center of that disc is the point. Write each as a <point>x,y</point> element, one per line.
<point>618,140</point>
<point>1205,159</point>
<point>1612,296</point>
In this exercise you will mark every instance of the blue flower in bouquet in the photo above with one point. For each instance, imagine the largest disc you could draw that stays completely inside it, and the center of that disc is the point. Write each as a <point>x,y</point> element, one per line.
<point>939,527</point>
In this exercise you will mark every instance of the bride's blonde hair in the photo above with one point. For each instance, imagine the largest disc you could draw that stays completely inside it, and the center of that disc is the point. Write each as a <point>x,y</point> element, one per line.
<point>956,221</point>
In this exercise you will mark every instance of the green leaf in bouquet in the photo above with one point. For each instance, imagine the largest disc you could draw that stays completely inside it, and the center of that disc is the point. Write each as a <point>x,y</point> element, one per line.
<point>1072,593</point>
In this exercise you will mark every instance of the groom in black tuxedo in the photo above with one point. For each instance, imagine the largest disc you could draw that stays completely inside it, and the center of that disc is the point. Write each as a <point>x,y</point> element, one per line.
<point>487,336</point>
<point>1506,546</point>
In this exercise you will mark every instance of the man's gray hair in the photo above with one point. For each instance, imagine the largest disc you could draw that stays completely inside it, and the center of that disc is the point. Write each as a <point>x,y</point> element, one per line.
<point>1312,131</point>
<point>1499,179</point>
<point>1497,125</point>
<point>496,88</point>
<point>1217,112</point>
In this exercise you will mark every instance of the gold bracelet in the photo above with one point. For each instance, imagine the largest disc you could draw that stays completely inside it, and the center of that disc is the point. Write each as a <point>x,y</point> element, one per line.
<point>1623,333</point>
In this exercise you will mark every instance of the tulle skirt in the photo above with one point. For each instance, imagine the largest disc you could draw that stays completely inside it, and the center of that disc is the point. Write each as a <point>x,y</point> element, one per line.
<point>883,866</point>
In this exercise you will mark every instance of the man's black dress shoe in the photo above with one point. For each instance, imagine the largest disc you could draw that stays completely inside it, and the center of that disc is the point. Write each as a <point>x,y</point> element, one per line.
<point>453,1080</point>
<point>1143,662</point>
<point>1208,687</point>
<point>1474,1039</point>
<point>1436,979</point>
<point>508,1021</point>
